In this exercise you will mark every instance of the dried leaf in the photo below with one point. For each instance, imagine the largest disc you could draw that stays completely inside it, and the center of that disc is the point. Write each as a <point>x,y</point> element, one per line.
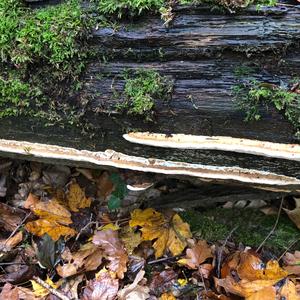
<point>87,258</point>
<point>288,291</point>
<point>76,198</point>
<point>135,290</point>
<point>104,287</point>
<point>53,229</point>
<point>130,238</point>
<point>244,288</point>
<point>167,296</point>
<point>104,185</point>
<point>10,292</point>
<point>252,268</point>
<point>162,282</point>
<point>196,255</point>
<point>169,234</point>
<point>31,201</point>
<point>10,243</point>
<point>40,291</point>
<point>292,262</point>
<point>114,250</point>
<point>11,217</point>
<point>294,214</point>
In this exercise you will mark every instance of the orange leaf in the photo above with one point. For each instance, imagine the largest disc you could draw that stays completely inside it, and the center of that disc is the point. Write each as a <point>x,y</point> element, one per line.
<point>289,292</point>
<point>53,229</point>
<point>52,211</point>
<point>252,268</point>
<point>196,255</point>
<point>244,288</point>
<point>76,198</point>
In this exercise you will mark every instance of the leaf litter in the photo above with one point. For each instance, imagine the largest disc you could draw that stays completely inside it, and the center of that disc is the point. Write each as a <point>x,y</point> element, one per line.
<point>70,233</point>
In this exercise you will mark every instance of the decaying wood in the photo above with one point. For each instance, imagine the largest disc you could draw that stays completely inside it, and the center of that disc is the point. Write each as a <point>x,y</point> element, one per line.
<point>200,53</point>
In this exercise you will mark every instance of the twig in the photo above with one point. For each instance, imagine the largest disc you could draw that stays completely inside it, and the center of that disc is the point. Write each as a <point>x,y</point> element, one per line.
<point>160,260</point>
<point>50,289</point>
<point>288,248</point>
<point>17,228</point>
<point>202,278</point>
<point>274,227</point>
<point>222,249</point>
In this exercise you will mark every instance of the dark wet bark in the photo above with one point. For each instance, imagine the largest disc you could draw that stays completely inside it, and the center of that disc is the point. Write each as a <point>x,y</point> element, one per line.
<point>200,52</point>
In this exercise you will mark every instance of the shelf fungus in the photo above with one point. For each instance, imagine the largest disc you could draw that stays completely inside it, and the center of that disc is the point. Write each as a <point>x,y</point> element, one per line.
<point>220,143</point>
<point>110,158</point>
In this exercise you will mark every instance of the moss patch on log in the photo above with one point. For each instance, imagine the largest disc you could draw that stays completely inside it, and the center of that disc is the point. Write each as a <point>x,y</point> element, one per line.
<point>252,227</point>
<point>42,52</point>
<point>142,88</point>
<point>251,95</point>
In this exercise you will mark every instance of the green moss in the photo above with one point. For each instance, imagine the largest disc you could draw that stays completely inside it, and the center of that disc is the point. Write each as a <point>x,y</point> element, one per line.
<point>252,227</point>
<point>251,95</point>
<point>41,51</point>
<point>128,7</point>
<point>141,90</point>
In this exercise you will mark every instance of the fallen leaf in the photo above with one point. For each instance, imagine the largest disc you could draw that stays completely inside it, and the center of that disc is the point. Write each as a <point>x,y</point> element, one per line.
<point>87,258</point>
<point>130,238</point>
<point>169,234</point>
<point>10,243</point>
<point>288,291</point>
<point>53,229</point>
<point>292,262</point>
<point>252,268</point>
<point>167,296</point>
<point>135,290</point>
<point>40,291</point>
<point>70,287</point>
<point>104,287</point>
<point>10,292</point>
<point>53,218</point>
<point>31,201</point>
<point>162,282</point>
<point>104,185</point>
<point>76,198</point>
<point>294,214</point>
<point>114,250</point>
<point>52,211</point>
<point>11,217</point>
<point>196,255</point>
<point>245,288</point>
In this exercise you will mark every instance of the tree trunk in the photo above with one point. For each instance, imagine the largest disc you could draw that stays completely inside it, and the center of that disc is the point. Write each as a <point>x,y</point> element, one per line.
<point>200,52</point>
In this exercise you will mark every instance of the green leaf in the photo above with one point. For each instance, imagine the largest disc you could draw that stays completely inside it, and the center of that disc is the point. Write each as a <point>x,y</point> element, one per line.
<point>114,202</point>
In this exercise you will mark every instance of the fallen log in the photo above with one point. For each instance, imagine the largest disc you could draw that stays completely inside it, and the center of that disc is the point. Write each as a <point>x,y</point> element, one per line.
<point>199,53</point>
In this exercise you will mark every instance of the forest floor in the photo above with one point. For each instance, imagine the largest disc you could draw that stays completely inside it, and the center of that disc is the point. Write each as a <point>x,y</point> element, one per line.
<point>72,233</point>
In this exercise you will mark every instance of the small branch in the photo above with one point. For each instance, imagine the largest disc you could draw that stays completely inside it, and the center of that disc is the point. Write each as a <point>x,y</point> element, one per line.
<point>288,248</point>
<point>222,249</point>
<point>161,260</point>
<point>17,228</point>
<point>274,227</point>
<point>50,289</point>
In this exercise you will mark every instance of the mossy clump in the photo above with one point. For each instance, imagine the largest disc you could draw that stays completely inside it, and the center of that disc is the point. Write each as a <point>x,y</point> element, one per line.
<point>252,227</point>
<point>141,89</point>
<point>128,7</point>
<point>251,95</point>
<point>40,50</point>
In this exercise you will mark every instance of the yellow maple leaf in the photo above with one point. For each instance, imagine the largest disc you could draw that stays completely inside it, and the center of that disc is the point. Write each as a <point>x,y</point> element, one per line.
<point>53,229</point>
<point>170,234</point>
<point>76,198</point>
